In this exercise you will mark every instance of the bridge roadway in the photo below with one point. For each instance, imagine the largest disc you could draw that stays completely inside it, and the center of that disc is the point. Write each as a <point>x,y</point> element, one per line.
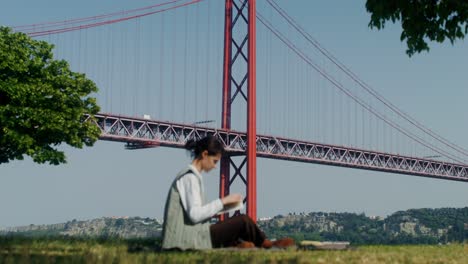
<point>140,133</point>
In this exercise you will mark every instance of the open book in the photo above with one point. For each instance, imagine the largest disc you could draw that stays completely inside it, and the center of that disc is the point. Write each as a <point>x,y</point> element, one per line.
<point>231,208</point>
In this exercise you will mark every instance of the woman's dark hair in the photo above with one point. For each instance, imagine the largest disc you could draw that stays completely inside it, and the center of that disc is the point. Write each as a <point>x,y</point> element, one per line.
<point>209,143</point>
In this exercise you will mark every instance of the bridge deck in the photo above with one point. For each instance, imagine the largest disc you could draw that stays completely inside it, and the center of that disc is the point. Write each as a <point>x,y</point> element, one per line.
<point>141,131</point>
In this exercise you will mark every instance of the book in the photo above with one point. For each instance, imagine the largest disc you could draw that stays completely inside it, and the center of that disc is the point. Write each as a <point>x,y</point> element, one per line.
<point>231,208</point>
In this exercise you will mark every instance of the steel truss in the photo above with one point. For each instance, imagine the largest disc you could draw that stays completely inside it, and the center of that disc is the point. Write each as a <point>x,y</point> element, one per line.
<point>150,132</point>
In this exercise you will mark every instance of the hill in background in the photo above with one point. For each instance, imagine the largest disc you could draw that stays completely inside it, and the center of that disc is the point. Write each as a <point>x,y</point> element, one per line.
<point>415,226</point>
<point>105,227</point>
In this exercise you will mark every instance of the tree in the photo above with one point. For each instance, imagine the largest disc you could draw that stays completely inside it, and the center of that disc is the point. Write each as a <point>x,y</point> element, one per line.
<point>42,102</point>
<point>435,20</point>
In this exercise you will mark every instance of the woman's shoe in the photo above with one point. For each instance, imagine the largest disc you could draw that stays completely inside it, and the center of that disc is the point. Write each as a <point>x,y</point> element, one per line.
<point>284,243</point>
<point>267,244</point>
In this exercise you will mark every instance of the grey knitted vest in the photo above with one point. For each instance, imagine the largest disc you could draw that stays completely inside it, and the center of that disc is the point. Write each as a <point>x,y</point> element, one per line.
<point>178,230</point>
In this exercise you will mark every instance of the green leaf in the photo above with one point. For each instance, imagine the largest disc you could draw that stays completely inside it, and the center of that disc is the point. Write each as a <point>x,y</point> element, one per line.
<point>42,102</point>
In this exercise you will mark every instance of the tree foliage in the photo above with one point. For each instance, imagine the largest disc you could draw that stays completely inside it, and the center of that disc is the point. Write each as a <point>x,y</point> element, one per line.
<point>42,102</point>
<point>436,20</point>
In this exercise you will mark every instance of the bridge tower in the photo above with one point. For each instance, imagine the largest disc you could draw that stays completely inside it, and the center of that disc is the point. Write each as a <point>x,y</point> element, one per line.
<point>239,73</point>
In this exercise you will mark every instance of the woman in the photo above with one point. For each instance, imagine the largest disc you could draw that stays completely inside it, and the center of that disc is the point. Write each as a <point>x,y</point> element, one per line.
<point>187,216</point>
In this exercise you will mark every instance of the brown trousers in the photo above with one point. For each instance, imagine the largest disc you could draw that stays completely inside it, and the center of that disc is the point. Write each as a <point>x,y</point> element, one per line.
<point>229,232</point>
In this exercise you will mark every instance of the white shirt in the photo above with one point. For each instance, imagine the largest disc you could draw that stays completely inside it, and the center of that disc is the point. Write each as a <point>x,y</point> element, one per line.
<point>190,191</point>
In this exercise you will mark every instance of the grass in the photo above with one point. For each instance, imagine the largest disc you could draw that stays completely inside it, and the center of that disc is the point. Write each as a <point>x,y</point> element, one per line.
<point>23,250</point>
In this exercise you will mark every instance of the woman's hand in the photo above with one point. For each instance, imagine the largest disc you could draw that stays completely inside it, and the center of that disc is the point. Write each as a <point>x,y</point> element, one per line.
<point>231,199</point>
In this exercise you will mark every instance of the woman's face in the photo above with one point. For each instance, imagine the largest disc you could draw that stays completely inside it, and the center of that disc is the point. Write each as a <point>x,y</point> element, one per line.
<point>209,162</point>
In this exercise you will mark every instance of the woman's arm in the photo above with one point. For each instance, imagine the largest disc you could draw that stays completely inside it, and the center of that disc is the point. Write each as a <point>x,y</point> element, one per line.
<point>190,195</point>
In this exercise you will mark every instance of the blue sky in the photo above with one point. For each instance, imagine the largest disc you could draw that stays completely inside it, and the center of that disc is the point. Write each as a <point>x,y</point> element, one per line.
<point>107,180</point>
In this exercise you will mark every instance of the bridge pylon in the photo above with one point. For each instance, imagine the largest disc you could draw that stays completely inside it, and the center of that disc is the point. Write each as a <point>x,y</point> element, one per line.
<point>239,72</point>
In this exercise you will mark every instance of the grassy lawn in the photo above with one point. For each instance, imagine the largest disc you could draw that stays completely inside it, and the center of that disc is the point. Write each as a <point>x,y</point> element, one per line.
<point>76,251</point>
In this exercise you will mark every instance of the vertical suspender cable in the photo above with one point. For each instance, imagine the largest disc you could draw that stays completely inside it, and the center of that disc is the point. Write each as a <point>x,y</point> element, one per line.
<point>112,86</point>
<point>108,69</point>
<point>342,120</point>
<point>371,133</point>
<point>197,61</point>
<point>356,124</point>
<point>207,62</point>
<point>78,66</point>
<point>317,108</point>
<point>347,117</point>
<point>308,102</point>
<point>284,91</point>
<point>185,65</point>
<point>269,60</point>
<point>150,61</point>
<point>363,119</point>
<point>136,64</point>
<point>302,95</point>
<point>141,108</point>
<point>173,31</point>
<point>326,113</point>
<point>161,68</point>
<point>121,77</point>
<point>287,91</point>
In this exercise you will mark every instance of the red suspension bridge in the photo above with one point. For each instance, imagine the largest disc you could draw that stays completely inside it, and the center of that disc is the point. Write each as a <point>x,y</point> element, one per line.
<point>187,61</point>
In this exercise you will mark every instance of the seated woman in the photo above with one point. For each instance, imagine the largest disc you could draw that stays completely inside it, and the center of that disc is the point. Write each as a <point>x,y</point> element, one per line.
<point>187,216</point>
